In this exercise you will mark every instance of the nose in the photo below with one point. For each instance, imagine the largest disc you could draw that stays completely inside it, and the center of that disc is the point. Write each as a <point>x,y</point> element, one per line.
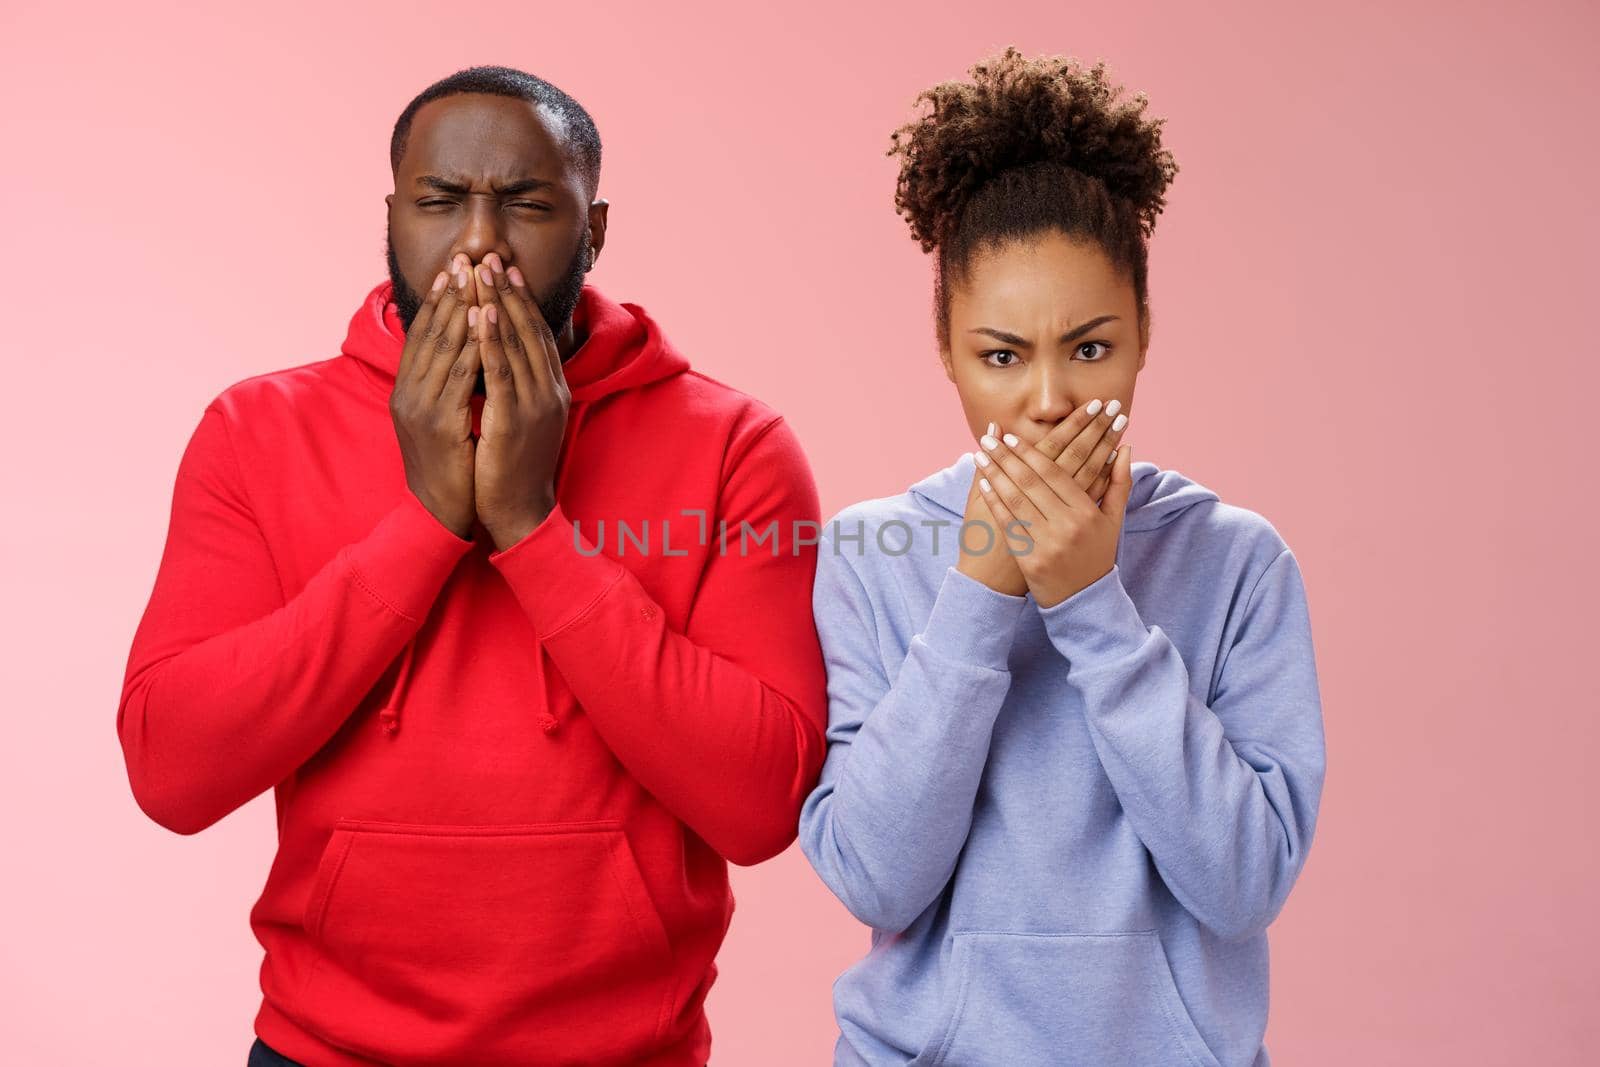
<point>1048,400</point>
<point>481,233</point>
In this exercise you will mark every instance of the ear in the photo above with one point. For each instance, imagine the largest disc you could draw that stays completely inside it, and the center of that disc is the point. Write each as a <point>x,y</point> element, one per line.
<point>388,201</point>
<point>597,227</point>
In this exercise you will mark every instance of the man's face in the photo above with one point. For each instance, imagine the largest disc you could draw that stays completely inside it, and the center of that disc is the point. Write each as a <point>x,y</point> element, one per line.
<point>481,174</point>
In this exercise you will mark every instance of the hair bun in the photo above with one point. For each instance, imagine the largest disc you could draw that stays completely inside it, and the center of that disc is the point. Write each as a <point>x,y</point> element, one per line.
<point>1019,112</point>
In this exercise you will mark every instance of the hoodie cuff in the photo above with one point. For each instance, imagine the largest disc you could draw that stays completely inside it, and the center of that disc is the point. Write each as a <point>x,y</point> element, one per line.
<point>972,622</point>
<point>1099,621</point>
<point>556,573</point>
<point>407,558</point>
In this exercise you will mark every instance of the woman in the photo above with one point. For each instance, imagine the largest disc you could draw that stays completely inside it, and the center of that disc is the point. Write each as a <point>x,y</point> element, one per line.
<point>1076,752</point>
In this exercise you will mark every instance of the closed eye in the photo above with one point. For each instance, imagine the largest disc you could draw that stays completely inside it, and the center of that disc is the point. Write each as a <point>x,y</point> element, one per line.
<point>525,204</point>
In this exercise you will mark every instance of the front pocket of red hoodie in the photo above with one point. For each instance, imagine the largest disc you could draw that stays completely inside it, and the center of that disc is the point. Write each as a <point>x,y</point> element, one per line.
<point>485,944</point>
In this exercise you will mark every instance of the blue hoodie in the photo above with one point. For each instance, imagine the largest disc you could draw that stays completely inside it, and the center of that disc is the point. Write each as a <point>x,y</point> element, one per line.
<point>1068,827</point>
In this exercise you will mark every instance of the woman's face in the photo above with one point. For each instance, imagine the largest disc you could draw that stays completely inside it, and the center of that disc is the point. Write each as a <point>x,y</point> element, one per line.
<point>1039,328</point>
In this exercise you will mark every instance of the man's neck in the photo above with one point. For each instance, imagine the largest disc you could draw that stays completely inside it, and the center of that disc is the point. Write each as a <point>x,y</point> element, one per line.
<point>569,340</point>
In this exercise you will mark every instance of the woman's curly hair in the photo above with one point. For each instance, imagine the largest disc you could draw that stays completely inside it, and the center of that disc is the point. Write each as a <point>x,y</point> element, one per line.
<point>1029,146</point>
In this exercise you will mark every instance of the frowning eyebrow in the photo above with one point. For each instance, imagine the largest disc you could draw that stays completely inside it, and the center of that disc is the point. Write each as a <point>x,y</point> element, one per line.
<point>1065,339</point>
<point>445,185</point>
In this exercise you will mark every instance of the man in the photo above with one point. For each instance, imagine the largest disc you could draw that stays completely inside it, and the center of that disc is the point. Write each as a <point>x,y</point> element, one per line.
<point>478,599</point>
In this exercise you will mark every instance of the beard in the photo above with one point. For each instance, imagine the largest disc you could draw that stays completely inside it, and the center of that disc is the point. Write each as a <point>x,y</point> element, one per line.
<point>556,303</point>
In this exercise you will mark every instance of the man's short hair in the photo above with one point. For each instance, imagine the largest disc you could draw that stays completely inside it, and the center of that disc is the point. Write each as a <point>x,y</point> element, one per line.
<point>580,130</point>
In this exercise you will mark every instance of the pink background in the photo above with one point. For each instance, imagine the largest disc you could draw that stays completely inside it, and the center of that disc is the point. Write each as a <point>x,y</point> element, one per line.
<point>1368,292</point>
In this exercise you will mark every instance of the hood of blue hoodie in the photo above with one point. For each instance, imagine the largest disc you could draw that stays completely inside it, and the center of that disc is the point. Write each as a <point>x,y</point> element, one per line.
<point>1158,495</point>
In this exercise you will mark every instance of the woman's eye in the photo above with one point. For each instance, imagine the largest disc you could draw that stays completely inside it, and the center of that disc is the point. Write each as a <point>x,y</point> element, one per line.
<point>1105,349</point>
<point>992,357</point>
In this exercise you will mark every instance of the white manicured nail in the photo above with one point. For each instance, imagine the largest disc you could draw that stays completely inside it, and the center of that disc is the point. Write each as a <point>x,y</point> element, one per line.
<point>1111,457</point>
<point>983,483</point>
<point>1119,422</point>
<point>1094,407</point>
<point>1010,439</point>
<point>989,442</point>
<point>983,460</point>
<point>993,429</point>
<point>1113,407</point>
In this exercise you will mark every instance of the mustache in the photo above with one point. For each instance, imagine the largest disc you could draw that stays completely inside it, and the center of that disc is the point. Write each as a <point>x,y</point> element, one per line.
<point>556,303</point>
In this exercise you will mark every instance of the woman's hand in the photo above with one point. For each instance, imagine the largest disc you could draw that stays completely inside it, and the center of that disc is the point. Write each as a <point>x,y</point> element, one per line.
<point>1074,542</point>
<point>985,552</point>
<point>524,409</point>
<point>1083,444</point>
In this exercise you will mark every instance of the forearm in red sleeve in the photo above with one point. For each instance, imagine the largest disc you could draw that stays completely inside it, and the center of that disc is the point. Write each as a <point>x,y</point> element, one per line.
<point>230,686</point>
<point>723,722</point>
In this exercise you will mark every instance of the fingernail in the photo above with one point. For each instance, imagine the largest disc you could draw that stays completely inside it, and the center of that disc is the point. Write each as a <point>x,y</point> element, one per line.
<point>472,316</point>
<point>988,441</point>
<point>438,283</point>
<point>983,483</point>
<point>493,315</point>
<point>515,275</point>
<point>1111,457</point>
<point>983,460</point>
<point>1010,439</point>
<point>993,429</point>
<point>493,260</point>
<point>461,279</point>
<point>1119,422</point>
<point>1113,407</point>
<point>1094,407</point>
<point>485,275</point>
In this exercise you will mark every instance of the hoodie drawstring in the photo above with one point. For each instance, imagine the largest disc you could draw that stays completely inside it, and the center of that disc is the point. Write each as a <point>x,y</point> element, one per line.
<point>549,719</point>
<point>558,700</point>
<point>389,717</point>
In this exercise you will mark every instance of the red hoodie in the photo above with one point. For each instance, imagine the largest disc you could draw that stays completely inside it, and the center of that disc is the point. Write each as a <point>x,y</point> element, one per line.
<point>508,782</point>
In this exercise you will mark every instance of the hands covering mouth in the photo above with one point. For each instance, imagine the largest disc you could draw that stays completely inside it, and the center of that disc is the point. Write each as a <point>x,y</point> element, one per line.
<point>480,324</point>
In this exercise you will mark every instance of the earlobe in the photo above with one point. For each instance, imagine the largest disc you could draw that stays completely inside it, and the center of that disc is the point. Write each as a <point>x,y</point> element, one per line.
<point>597,228</point>
<point>949,369</point>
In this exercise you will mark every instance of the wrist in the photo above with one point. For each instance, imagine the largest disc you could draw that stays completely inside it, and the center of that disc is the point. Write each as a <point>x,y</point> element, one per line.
<point>505,532</point>
<point>1067,588</point>
<point>1002,578</point>
<point>509,524</point>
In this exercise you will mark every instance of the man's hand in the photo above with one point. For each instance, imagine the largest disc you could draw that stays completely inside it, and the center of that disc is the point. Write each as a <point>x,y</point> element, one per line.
<point>524,410</point>
<point>430,403</point>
